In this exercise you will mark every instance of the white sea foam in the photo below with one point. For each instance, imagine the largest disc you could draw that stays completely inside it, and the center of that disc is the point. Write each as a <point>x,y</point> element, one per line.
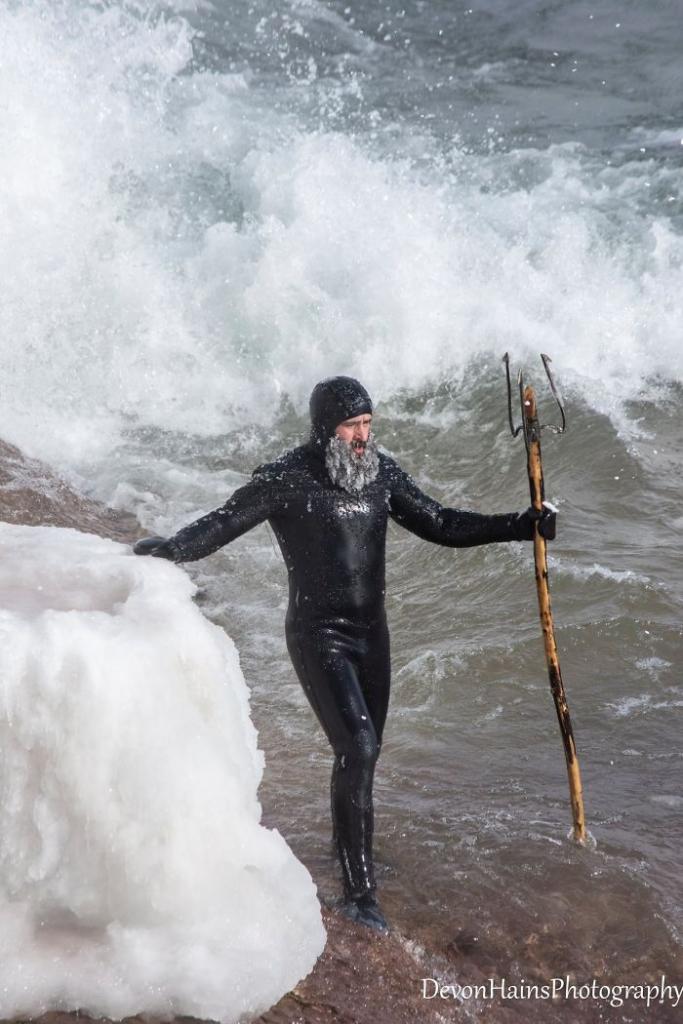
<point>659,136</point>
<point>587,571</point>
<point>668,800</point>
<point>134,873</point>
<point>642,704</point>
<point>653,665</point>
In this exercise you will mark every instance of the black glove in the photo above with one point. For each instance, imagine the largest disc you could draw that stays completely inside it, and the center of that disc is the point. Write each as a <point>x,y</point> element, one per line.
<point>546,520</point>
<point>157,546</point>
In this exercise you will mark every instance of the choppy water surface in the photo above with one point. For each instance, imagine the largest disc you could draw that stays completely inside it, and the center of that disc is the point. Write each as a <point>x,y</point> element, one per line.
<point>208,207</point>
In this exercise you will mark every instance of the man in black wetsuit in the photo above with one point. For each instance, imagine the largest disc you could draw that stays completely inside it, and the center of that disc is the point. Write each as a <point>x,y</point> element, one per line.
<point>328,502</point>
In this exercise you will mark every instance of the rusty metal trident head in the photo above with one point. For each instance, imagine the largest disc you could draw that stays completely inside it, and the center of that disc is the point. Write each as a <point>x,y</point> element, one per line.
<point>525,426</point>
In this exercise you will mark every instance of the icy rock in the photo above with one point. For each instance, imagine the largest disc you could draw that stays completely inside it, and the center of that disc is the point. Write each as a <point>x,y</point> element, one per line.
<point>135,875</point>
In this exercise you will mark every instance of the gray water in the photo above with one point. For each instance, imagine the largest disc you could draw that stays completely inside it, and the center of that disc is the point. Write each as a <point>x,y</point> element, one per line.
<point>209,209</point>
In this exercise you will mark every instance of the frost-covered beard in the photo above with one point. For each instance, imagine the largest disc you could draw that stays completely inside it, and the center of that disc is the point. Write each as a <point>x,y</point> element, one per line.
<point>348,470</point>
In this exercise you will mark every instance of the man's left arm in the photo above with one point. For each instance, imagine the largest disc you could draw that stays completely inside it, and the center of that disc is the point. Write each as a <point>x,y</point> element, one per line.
<point>456,528</point>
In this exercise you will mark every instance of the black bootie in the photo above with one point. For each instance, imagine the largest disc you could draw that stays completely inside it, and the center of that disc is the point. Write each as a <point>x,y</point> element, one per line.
<point>365,910</point>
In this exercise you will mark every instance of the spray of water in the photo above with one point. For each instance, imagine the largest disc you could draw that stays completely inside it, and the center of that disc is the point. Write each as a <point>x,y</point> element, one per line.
<point>179,254</point>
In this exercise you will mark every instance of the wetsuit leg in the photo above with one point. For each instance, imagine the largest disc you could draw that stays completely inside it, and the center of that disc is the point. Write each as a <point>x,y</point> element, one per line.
<point>374,675</point>
<point>373,668</point>
<point>327,662</point>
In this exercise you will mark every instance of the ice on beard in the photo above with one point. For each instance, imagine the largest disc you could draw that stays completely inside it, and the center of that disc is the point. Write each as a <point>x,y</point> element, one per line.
<point>134,873</point>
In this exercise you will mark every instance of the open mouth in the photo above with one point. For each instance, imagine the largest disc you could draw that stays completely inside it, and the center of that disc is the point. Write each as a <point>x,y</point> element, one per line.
<point>359,446</point>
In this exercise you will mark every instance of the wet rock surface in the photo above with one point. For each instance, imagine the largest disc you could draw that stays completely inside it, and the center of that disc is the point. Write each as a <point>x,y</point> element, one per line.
<point>362,976</point>
<point>32,495</point>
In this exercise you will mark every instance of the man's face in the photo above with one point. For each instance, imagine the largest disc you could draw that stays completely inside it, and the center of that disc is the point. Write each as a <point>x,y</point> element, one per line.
<point>355,432</point>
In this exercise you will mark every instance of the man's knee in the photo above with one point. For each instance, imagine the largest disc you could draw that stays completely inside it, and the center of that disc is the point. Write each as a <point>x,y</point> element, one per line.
<point>362,750</point>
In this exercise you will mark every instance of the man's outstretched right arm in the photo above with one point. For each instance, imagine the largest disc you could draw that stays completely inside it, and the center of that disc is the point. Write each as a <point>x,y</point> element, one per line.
<point>246,508</point>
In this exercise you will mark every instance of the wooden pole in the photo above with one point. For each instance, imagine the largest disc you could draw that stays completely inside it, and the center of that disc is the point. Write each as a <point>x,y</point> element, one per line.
<point>532,435</point>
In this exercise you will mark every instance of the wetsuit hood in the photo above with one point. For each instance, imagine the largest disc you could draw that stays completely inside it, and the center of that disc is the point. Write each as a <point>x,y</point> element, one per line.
<point>332,401</point>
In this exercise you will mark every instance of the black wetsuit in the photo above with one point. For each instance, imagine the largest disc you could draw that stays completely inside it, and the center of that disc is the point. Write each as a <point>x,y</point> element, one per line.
<point>333,543</point>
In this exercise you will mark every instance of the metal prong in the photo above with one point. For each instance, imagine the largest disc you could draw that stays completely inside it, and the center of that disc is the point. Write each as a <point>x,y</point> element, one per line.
<point>513,430</point>
<point>525,425</point>
<point>546,360</point>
